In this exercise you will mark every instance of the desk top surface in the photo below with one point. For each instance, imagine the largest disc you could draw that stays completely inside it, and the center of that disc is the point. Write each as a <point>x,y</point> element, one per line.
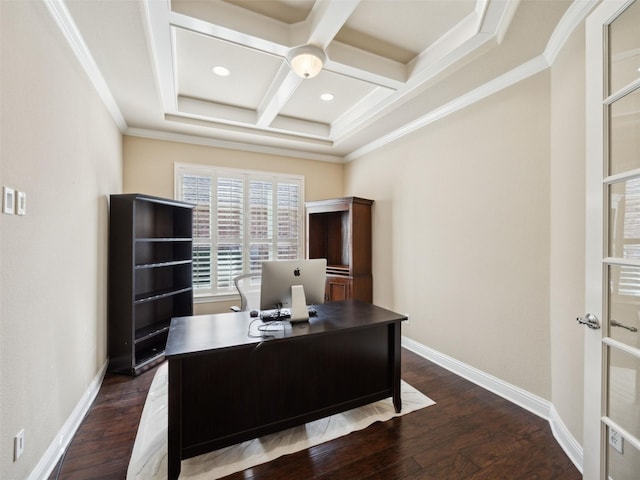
<point>201,333</point>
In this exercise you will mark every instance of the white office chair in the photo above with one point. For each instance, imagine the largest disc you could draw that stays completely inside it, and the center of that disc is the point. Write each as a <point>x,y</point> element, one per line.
<point>248,286</point>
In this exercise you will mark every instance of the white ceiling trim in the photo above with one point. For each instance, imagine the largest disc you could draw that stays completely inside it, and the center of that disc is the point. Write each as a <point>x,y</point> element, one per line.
<point>248,130</point>
<point>325,21</point>
<point>352,117</point>
<point>478,44</point>
<point>473,34</point>
<point>476,33</point>
<point>463,32</point>
<point>574,16</point>
<point>283,86</point>
<point>67,26</point>
<point>510,78</point>
<point>369,67</point>
<point>220,32</point>
<point>246,147</point>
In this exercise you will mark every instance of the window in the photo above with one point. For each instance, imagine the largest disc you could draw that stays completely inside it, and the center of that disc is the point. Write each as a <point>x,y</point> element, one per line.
<point>241,218</point>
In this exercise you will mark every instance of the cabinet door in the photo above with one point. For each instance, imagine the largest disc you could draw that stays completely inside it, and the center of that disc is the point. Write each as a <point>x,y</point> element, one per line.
<point>338,288</point>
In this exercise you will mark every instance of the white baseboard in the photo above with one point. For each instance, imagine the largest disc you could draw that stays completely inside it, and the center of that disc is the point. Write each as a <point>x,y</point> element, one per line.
<point>568,443</point>
<point>517,395</point>
<point>60,443</point>
<point>520,397</point>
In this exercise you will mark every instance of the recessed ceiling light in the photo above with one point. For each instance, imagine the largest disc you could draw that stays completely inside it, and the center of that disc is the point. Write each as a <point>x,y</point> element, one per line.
<point>221,71</point>
<point>327,97</point>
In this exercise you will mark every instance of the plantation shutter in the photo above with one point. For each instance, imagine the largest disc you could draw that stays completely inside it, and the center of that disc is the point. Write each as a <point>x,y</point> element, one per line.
<point>260,223</point>
<point>196,189</point>
<point>629,282</point>
<point>230,217</point>
<point>289,219</point>
<point>240,219</point>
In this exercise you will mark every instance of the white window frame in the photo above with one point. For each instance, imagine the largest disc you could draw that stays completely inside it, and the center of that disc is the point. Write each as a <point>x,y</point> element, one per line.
<point>180,169</point>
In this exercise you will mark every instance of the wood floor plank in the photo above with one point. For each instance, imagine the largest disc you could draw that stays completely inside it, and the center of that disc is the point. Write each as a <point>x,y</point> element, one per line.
<point>470,434</point>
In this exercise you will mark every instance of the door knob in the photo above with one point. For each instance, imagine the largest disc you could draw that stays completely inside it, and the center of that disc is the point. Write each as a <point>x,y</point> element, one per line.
<point>590,320</point>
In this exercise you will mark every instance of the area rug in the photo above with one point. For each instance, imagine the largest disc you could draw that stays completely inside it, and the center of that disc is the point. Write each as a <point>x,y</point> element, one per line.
<point>149,456</point>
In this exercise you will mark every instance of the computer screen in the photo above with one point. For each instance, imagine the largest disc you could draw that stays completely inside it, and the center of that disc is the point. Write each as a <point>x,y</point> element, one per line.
<point>279,275</point>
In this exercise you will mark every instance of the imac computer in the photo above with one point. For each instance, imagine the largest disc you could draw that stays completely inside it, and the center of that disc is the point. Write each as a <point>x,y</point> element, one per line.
<point>293,284</point>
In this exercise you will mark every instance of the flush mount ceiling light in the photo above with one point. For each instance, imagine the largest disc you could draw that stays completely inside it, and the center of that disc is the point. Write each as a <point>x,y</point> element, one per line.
<point>306,61</point>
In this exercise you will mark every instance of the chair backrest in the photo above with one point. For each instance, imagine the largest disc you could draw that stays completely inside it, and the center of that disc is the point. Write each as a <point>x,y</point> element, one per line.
<point>248,285</point>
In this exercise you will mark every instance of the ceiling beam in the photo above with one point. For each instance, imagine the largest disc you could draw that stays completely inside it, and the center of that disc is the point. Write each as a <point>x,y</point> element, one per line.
<point>284,84</point>
<point>323,23</point>
<point>320,27</point>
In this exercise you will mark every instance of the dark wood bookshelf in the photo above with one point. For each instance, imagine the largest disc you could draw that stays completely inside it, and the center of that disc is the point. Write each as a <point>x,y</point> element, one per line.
<point>150,277</point>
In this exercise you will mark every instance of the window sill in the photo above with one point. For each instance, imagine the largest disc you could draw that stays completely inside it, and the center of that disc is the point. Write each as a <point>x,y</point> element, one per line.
<point>210,298</point>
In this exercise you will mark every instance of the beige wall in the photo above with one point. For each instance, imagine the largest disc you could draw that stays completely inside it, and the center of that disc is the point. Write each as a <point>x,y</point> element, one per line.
<point>567,227</point>
<point>60,146</point>
<point>149,166</point>
<point>477,233</point>
<point>461,233</point>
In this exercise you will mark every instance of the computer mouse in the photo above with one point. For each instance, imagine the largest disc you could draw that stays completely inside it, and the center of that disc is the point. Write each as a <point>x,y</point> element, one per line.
<point>313,312</point>
<point>254,313</point>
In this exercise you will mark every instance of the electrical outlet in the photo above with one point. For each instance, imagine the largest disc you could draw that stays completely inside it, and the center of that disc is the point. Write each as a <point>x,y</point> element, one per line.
<point>18,445</point>
<point>616,441</point>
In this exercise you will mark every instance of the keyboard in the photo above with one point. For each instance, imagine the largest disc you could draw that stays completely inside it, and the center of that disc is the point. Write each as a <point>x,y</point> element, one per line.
<point>284,314</point>
<point>275,315</point>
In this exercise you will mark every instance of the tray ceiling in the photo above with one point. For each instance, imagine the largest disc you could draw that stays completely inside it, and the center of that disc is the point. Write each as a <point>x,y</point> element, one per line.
<point>389,63</point>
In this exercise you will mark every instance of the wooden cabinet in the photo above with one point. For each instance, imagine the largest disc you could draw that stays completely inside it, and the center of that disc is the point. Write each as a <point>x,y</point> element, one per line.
<point>150,277</point>
<point>339,230</point>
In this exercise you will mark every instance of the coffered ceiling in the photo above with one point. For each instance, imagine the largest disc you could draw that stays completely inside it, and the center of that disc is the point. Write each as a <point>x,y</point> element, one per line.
<point>392,65</point>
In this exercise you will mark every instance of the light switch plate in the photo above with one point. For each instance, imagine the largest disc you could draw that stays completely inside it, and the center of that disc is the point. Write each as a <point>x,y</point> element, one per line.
<point>8,200</point>
<point>21,203</point>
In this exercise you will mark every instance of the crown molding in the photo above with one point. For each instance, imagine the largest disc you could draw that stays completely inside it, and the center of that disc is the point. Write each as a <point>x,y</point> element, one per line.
<point>70,31</point>
<point>229,145</point>
<point>506,80</point>
<point>572,18</point>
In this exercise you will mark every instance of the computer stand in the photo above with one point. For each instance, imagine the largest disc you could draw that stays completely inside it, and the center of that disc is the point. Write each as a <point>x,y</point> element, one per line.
<point>299,311</point>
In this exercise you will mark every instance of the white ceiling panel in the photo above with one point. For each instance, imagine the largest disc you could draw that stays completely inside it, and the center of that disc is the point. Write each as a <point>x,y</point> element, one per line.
<point>251,71</point>
<point>306,102</point>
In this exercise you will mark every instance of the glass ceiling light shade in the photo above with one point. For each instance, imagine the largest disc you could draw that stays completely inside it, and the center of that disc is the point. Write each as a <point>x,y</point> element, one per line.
<point>306,61</point>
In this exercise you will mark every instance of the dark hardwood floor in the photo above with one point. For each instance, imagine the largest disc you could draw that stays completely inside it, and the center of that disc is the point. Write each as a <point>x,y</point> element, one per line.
<point>469,434</point>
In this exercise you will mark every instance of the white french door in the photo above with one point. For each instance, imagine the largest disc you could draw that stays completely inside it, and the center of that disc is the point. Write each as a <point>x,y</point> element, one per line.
<point>612,353</point>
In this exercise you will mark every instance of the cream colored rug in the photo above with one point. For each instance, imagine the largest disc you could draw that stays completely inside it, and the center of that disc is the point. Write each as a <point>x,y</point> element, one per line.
<point>149,456</point>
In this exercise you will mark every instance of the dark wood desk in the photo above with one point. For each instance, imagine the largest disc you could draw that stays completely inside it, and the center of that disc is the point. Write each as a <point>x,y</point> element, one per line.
<point>226,387</point>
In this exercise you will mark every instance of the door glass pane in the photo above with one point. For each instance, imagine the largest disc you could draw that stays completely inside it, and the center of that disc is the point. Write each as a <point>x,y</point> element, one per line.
<point>624,393</point>
<point>624,219</point>
<point>625,465</point>
<point>624,38</point>
<point>624,304</point>
<point>624,126</point>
